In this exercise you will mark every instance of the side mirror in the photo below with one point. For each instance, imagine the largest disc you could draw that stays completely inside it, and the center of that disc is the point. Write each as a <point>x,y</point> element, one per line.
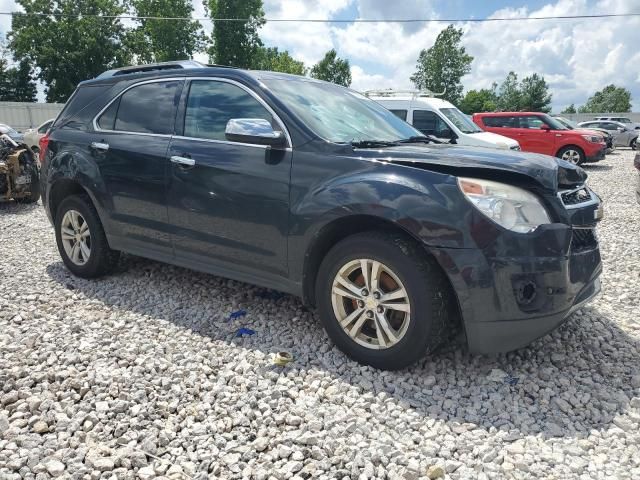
<point>621,129</point>
<point>545,127</point>
<point>253,130</point>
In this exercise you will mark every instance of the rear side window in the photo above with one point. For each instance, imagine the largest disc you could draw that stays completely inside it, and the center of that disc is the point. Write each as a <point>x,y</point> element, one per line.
<point>505,122</point>
<point>147,108</point>
<point>212,104</point>
<point>81,98</point>
<point>401,114</point>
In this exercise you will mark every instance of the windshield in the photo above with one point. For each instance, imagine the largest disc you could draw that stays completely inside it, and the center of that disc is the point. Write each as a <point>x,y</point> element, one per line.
<point>460,120</point>
<point>554,123</point>
<point>567,123</point>
<point>338,114</point>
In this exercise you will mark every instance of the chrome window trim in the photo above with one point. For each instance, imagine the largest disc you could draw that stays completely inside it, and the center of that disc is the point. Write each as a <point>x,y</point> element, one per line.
<point>183,78</point>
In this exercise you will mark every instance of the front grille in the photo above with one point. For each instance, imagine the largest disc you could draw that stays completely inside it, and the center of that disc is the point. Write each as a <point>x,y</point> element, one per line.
<point>576,197</point>
<point>583,239</point>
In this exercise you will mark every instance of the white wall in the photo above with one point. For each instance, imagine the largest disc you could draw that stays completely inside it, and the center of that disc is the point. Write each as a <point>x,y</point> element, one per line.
<point>24,115</point>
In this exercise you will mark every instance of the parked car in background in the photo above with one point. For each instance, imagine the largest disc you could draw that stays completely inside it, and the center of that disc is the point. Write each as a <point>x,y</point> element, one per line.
<point>33,135</point>
<point>541,133</point>
<point>15,135</point>
<point>438,118</point>
<point>571,125</point>
<point>625,120</point>
<point>313,189</point>
<point>623,135</point>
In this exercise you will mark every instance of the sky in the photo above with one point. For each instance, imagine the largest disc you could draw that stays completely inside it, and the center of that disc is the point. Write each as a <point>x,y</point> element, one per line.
<point>576,57</point>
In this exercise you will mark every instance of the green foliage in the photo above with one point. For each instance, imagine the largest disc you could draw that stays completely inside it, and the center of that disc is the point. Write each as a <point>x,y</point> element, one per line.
<point>534,94</point>
<point>483,100</point>
<point>163,40</point>
<point>610,99</point>
<point>509,97</point>
<point>442,66</point>
<point>16,83</point>
<point>530,95</point>
<point>272,59</point>
<point>236,44</point>
<point>68,49</point>
<point>570,109</point>
<point>332,69</point>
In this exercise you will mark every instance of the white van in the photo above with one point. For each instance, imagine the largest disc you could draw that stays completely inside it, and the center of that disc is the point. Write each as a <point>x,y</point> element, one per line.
<point>438,118</point>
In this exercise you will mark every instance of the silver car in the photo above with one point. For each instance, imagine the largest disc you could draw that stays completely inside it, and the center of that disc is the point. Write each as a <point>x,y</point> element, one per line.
<point>33,135</point>
<point>626,120</point>
<point>623,136</point>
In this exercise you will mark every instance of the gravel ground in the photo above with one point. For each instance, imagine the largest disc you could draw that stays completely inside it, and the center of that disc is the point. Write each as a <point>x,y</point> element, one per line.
<point>138,376</point>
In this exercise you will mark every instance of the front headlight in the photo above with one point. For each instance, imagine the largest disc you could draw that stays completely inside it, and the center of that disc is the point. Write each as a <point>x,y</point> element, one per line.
<point>511,207</point>
<point>593,138</point>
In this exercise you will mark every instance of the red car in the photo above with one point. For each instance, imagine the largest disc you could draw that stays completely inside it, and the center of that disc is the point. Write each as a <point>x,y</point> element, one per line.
<point>540,133</point>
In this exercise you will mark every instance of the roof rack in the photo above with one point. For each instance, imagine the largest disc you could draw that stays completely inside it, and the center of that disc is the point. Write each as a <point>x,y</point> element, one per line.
<point>390,92</point>
<point>152,67</point>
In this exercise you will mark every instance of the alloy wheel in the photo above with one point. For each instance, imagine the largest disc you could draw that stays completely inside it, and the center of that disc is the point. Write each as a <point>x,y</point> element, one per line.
<point>76,237</point>
<point>572,156</point>
<point>371,303</point>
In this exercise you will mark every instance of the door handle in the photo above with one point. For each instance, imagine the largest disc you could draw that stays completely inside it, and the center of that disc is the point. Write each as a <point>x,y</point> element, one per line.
<point>183,161</point>
<point>100,146</point>
<point>558,134</point>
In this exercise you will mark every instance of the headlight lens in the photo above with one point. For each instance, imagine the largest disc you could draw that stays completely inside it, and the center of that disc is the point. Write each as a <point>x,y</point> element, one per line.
<point>593,138</point>
<point>511,207</point>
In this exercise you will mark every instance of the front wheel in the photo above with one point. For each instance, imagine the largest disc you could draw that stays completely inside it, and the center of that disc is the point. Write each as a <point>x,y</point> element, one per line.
<point>382,300</point>
<point>572,154</point>
<point>634,144</point>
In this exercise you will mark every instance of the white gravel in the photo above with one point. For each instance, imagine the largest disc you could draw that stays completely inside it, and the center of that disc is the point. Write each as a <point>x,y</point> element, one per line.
<point>136,376</point>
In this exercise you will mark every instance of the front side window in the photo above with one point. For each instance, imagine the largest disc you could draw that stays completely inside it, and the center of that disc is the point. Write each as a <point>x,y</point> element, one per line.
<point>212,104</point>
<point>430,123</point>
<point>146,108</point>
<point>338,114</point>
<point>533,123</point>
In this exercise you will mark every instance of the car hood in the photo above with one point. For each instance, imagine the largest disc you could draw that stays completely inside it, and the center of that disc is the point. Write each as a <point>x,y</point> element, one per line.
<point>550,172</point>
<point>498,141</point>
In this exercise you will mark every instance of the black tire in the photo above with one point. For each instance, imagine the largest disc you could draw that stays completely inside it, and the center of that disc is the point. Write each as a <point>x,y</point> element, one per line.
<point>102,260</point>
<point>432,303</point>
<point>566,149</point>
<point>634,144</point>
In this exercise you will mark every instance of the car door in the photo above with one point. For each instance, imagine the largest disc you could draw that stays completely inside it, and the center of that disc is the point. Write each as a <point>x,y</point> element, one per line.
<point>619,136</point>
<point>129,146</point>
<point>230,208</point>
<point>505,125</point>
<point>536,138</point>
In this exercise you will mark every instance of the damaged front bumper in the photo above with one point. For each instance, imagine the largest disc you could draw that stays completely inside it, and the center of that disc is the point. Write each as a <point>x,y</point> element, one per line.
<point>19,172</point>
<point>522,286</point>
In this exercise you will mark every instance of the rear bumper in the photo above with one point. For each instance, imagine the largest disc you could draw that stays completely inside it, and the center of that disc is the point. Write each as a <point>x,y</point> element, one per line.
<point>596,156</point>
<point>508,301</point>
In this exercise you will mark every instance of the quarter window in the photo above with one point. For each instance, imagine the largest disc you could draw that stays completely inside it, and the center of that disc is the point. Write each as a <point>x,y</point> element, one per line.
<point>146,108</point>
<point>212,104</point>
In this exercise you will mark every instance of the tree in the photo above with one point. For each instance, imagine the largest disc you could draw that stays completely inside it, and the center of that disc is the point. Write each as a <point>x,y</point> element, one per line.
<point>442,66</point>
<point>236,43</point>
<point>332,69</point>
<point>164,40</point>
<point>610,99</point>
<point>570,109</point>
<point>509,97</point>
<point>483,100</point>
<point>272,59</point>
<point>67,48</point>
<point>16,83</point>
<point>534,94</point>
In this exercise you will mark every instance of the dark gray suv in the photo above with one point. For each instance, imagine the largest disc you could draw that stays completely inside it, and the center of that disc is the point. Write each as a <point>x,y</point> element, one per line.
<point>312,189</point>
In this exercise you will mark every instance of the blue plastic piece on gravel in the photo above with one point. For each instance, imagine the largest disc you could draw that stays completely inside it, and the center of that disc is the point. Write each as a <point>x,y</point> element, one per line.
<point>237,314</point>
<point>244,331</point>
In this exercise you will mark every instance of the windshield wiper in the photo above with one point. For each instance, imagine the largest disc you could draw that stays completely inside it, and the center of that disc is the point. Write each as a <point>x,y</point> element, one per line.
<point>372,144</point>
<point>421,139</point>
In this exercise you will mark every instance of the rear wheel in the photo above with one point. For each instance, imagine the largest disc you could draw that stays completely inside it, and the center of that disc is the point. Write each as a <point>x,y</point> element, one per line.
<point>382,300</point>
<point>634,144</point>
<point>81,239</point>
<point>572,154</point>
